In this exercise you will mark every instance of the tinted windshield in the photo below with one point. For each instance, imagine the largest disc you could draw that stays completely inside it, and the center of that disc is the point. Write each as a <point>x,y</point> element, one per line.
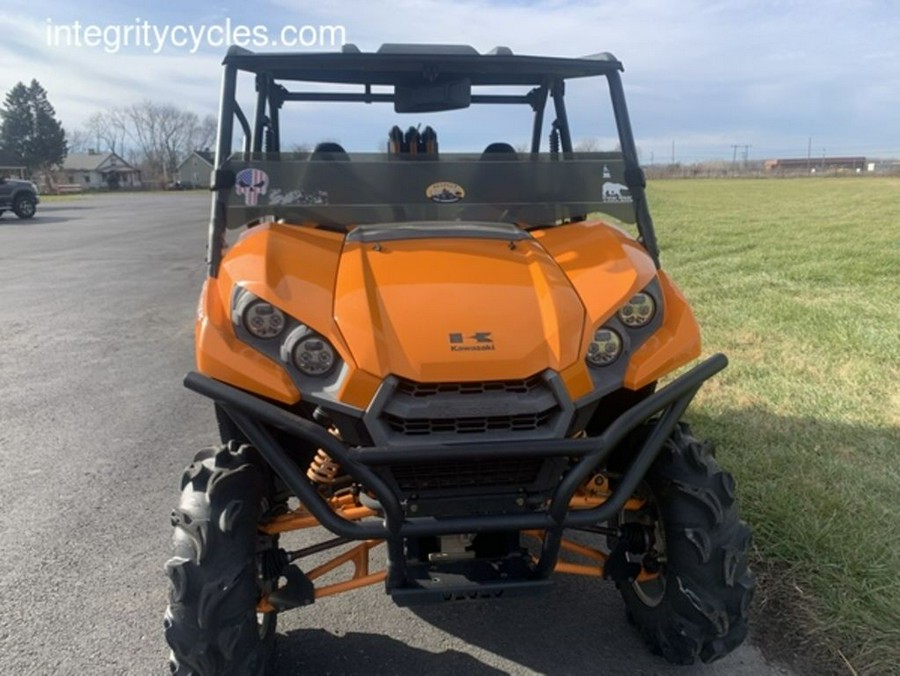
<point>342,189</point>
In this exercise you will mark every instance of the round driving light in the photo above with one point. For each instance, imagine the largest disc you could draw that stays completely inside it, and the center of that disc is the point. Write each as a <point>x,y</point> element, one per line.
<point>638,311</point>
<point>605,348</point>
<point>263,320</point>
<point>313,356</point>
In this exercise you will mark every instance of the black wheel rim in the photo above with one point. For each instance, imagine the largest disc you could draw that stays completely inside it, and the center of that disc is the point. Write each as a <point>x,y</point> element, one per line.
<point>651,592</point>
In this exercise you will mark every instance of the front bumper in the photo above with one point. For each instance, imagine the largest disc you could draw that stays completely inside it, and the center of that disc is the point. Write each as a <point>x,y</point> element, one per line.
<point>253,415</point>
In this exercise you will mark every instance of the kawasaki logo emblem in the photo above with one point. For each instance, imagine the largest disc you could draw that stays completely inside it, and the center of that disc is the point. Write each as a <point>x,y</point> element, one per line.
<point>478,341</point>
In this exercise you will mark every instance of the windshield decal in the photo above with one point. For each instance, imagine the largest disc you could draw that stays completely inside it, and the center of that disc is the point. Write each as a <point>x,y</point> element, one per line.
<point>278,196</point>
<point>611,191</point>
<point>445,192</point>
<point>251,183</point>
<point>615,192</point>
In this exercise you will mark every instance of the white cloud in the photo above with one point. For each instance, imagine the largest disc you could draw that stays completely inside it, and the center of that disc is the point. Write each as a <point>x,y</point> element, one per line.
<point>82,81</point>
<point>705,74</point>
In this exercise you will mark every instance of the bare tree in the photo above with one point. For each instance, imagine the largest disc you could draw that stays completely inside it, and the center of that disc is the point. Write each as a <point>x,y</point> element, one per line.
<point>205,134</point>
<point>161,132</point>
<point>107,130</point>
<point>164,134</point>
<point>143,135</point>
<point>79,141</point>
<point>152,135</point>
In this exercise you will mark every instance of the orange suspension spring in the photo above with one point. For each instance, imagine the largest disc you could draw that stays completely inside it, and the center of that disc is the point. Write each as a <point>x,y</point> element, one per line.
<point>323,470</point>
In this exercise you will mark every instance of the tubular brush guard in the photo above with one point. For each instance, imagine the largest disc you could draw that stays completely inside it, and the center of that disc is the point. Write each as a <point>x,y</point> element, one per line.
<point>249,412</point>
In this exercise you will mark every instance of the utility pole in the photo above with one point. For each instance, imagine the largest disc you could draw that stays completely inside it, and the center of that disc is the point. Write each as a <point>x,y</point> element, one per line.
<point>673,152</point>
<point>745,153</point>
<point>809,155</point>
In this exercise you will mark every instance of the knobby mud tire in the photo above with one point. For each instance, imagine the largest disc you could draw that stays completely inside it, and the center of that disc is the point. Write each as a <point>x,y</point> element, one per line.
<point>211,623</point>
<point>704,607</point>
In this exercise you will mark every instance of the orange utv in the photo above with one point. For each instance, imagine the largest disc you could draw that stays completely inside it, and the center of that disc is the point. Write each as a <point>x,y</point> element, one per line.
<point>442,373</point>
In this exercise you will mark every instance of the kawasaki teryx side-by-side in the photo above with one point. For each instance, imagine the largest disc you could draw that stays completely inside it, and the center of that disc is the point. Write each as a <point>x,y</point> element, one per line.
<point>453,375</point>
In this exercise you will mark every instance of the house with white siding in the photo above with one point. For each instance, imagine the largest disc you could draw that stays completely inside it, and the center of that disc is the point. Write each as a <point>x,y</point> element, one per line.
<point>99,171</point>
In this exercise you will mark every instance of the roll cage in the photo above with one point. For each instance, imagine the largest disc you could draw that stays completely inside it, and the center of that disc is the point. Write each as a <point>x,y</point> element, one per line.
<point>424,78</point>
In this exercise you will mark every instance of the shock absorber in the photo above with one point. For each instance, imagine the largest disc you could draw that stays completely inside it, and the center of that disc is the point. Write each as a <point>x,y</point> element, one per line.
<point>324,471</point>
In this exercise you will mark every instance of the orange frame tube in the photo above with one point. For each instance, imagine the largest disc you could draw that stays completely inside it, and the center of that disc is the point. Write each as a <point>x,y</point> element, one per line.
<point>347,506</point>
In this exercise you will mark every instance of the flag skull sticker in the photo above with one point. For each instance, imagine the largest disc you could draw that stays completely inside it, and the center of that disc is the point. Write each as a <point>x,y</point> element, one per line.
<point>251,183</point>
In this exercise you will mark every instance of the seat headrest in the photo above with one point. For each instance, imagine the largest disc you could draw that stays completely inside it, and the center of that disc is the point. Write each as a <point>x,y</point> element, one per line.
<point>497,150</point>
<point>329,151</point>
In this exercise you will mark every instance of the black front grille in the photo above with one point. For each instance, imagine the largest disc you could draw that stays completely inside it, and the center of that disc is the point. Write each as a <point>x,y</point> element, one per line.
<point>492,408</point>
<point>470,473</point>
<point>413,389</point>
<point>524,422</point>
<point>410,412</point>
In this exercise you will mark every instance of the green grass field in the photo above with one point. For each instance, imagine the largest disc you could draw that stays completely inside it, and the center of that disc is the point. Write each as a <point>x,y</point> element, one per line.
<point>797,281</point>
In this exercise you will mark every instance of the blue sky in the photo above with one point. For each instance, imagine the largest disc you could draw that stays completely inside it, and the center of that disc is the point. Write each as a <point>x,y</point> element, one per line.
<point>702,74</point>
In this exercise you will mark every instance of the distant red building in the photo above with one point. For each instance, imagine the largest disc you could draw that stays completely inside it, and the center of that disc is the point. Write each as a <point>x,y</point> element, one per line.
<point>812,165</point>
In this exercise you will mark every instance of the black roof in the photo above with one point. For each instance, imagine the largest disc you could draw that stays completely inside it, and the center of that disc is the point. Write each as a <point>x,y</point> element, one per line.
<point>410,64</point>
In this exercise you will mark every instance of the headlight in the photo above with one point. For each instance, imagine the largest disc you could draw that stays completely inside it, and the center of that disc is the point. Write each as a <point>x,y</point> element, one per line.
<point>638,311</point>
<point>313,356</point>
<point>605,348</point>
<point>263,319</point>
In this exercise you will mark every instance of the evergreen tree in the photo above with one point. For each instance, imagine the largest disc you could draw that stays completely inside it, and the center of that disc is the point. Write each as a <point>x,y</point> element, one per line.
<point>17,125</point>
<point>30,133</point>
<point>48,141</point>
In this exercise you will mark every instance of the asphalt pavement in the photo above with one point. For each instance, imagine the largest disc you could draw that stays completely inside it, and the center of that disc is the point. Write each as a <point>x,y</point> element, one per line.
<point>97,298</point>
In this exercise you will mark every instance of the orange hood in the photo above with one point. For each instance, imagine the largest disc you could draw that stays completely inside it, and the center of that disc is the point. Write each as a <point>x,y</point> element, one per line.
<point>433,308</point>
<point>450,309</point>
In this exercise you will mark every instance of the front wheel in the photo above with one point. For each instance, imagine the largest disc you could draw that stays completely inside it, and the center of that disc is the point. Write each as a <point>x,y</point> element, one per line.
<point>699,601</point>
<point>24,206</point>
<point>217,571</point>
